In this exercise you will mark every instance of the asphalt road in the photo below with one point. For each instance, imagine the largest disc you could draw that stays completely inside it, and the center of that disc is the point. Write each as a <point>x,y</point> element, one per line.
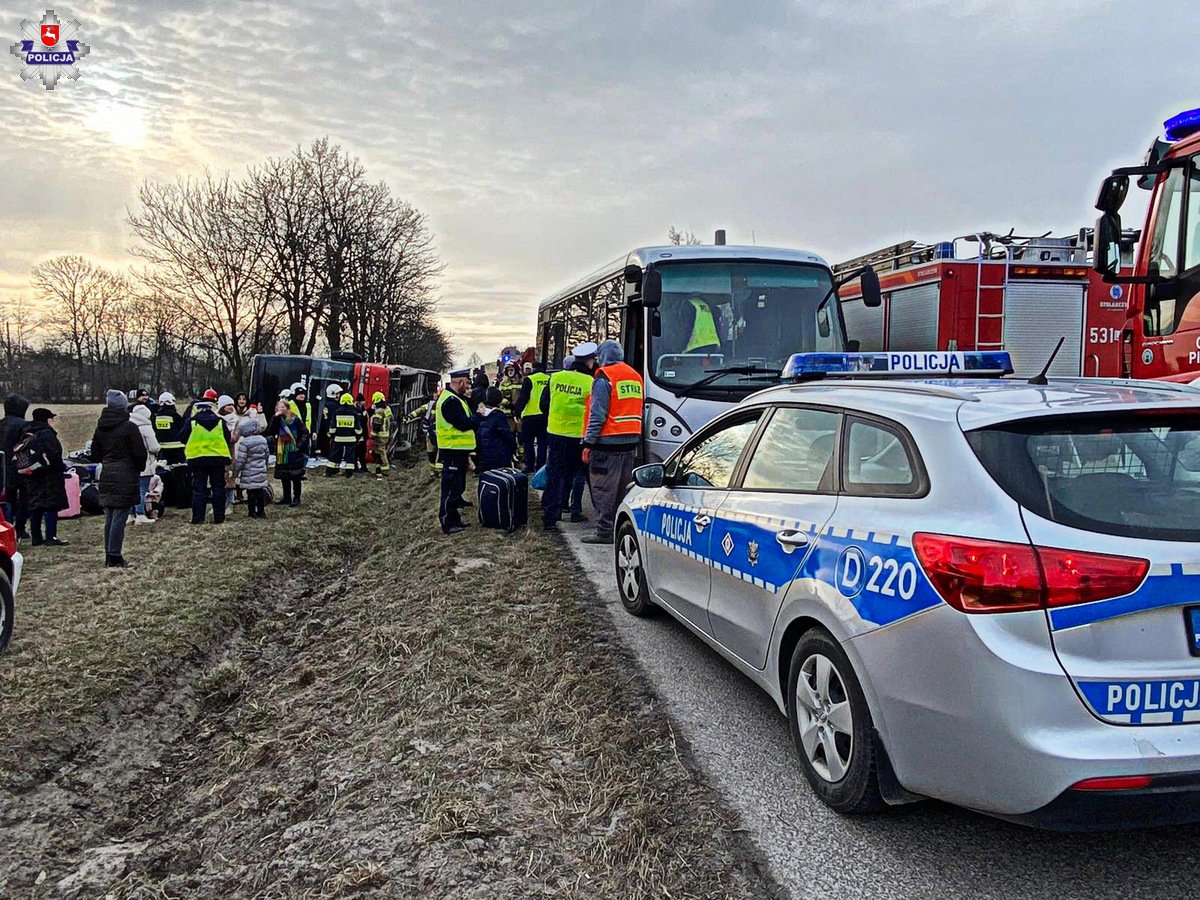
<point>922,850</point>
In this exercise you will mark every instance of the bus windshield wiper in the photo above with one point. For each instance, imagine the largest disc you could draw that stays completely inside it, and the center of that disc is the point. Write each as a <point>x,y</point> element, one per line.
<point>727,370</point>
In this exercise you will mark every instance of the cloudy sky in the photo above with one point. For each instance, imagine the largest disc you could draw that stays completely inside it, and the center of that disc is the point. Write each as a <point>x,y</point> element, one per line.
<point>544,139</point>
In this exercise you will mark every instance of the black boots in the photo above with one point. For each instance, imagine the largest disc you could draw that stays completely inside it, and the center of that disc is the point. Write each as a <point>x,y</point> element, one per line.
<point>114,561</point>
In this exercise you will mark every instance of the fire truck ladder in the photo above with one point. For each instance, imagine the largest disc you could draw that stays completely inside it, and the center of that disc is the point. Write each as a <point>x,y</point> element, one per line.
<point>985,240</point>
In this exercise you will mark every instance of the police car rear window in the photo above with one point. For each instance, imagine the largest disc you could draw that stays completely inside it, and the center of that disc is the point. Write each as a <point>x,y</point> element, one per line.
<point>1135,474</point>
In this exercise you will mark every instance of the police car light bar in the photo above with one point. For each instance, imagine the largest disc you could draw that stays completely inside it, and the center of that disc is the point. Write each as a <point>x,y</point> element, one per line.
<point>921,363</point>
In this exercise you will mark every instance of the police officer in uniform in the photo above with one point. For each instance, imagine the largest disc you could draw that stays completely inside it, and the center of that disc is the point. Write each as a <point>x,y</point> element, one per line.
<point>456,439</point>
<point>533,420</point>
<point>611,435</point>
<point>565,403</point>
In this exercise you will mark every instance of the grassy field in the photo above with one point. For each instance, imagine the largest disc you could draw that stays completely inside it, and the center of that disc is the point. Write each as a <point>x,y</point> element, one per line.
<point>340,701</point>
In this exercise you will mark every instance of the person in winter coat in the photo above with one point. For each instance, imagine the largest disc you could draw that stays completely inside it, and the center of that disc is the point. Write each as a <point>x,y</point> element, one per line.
<point>250,461</point>
<point>12,429</point>
<point>227,411</point>
<point>497,443</point>
<point>209,449</point>
<point>291,441</point>
<point>46,490</point>
<point>139,415</point>
<point>167,425</point>
<point>118,446</point>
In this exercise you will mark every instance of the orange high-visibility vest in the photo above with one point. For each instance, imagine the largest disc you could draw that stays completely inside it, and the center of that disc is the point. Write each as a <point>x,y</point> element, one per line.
<point>624,401</point>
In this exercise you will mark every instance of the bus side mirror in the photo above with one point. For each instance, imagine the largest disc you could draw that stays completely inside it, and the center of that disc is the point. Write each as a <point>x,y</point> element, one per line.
<point>633,274</point>
<point>1106,257</point>
<point>652,289</point>
<point>1112,194</point>
<point>871,295</point>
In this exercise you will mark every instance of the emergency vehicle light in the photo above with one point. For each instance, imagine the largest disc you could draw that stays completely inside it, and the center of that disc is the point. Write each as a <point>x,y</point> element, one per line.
<point>1180,126</point>
<point>871,365</point>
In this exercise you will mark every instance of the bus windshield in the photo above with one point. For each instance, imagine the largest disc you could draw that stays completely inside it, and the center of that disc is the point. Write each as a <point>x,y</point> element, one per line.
<point>744,315</point>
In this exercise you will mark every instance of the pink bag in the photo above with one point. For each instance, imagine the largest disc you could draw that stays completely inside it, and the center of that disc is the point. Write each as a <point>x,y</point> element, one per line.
<point>72,484</point>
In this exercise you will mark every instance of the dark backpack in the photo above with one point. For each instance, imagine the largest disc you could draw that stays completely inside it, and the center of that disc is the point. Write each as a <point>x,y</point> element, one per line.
<point>23,453</point>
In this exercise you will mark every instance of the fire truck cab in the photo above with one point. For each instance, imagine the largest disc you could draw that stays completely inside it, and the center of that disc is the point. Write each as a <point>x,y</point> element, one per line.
<point>1160,337</point>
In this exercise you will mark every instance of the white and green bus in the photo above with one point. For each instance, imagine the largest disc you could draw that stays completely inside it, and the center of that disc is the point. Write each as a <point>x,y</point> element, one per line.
<point>705,325</point>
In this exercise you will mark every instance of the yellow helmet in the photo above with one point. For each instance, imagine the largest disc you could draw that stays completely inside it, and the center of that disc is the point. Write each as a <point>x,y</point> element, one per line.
<point>346,400</point>
<point>377,397</point>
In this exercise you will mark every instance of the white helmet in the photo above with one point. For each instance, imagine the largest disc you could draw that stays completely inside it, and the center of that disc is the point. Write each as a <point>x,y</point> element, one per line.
<point>285,394</point>
<point>297,387</point>
<point>333,392</point>
<point>165,398</point>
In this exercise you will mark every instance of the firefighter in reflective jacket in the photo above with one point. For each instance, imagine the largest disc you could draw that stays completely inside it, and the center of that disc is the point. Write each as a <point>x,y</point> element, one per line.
<point>379,433</point>
<point>456,439</point>
<point>611,434</point>
<point>300,405</point>
<point>167,427</point>
<point>347,426</point>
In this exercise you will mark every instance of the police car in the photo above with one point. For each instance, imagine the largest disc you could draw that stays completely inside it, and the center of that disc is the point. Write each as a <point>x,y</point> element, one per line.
<point>980,589</point>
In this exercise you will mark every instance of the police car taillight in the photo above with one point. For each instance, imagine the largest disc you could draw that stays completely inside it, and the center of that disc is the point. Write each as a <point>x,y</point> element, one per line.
<point>979,576</point>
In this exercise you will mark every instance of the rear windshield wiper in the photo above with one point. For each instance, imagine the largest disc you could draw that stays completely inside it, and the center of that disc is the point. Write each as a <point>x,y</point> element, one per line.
<point>727,370</point>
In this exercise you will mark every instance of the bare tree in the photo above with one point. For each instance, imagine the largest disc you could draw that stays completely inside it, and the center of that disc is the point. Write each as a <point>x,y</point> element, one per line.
<point>205,250</point>
<point>678,238</point>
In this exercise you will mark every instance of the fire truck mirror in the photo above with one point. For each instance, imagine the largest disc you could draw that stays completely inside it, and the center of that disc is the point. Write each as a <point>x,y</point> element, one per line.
<point>1112,194</point>
<point>1107,255</point>
<point>872,298</point>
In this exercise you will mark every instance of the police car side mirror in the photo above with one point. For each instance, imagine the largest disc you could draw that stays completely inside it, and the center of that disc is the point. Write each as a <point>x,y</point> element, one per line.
<point>651,475</point>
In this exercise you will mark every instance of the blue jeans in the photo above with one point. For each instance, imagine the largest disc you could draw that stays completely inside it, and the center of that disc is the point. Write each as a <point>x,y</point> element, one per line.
<point>140,509</point>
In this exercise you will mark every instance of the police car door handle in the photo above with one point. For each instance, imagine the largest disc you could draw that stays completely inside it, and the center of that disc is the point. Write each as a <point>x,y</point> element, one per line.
<point>789,539</point>
<point>702,520</point>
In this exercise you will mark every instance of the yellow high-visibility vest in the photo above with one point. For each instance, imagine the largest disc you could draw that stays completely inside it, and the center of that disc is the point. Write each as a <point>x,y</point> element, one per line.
<point>569,395</point>
<point>704,329</point>
<point>449,437</point>
<point>206,442</point>
<point>538,382</point>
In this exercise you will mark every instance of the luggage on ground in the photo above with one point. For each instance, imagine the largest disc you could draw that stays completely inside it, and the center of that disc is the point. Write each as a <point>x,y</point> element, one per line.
<point>503,499</point>
<point>73,488</point>
<point>177,485</point>
<point>89,500</point>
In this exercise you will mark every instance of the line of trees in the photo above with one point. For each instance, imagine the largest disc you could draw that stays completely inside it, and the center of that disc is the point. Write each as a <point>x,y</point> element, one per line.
<point>302,255</point>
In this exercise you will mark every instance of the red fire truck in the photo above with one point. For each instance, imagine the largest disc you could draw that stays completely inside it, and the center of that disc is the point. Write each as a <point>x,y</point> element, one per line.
<point>988,291</point>
<point>1121,314</point>
<point>1160,337</point>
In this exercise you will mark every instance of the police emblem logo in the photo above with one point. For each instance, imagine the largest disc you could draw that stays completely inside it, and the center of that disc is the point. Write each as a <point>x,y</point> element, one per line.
<point>752,553</point>
<point>50,50</point>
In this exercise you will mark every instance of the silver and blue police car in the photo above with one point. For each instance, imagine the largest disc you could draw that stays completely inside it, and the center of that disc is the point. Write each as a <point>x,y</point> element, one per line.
<point>980,589</point>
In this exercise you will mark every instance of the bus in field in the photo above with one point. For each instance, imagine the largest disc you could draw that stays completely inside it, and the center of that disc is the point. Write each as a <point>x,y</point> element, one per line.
<point>705,325</point>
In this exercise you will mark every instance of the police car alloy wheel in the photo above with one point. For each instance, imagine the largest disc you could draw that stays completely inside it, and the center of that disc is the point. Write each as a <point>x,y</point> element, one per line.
<point>631,577</point>
<point>6,611</point>
<point>831,726</point>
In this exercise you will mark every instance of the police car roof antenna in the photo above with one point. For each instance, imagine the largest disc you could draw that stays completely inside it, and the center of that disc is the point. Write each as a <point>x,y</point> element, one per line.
<point>1040,378</point>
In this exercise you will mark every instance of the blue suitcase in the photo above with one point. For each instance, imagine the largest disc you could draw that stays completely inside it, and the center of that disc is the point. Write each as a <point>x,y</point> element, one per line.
<point>503,499</point>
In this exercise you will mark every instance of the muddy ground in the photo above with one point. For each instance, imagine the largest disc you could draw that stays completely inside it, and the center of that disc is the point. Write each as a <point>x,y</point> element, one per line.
<point>431,717</point>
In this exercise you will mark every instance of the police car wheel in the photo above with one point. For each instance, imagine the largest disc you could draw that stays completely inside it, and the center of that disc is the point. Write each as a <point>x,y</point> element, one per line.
<point>6,611</point>
<point>831,726</point>
<point>631,577</point>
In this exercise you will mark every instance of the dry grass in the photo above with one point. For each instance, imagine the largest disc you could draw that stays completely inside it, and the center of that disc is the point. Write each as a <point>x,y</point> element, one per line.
<point>408,726</point>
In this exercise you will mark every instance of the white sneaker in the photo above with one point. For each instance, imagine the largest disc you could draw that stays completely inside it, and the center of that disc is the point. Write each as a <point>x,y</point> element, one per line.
<point>143,520</point>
